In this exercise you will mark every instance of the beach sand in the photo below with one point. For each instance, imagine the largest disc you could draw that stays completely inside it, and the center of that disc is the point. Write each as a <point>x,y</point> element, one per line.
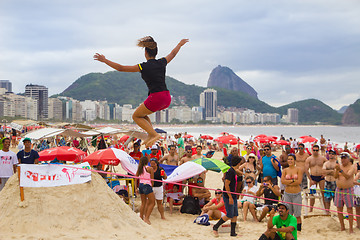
<point>93,211</point>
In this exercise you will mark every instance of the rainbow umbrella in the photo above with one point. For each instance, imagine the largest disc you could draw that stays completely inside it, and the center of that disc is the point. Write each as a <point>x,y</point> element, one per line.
<point>212,164</point>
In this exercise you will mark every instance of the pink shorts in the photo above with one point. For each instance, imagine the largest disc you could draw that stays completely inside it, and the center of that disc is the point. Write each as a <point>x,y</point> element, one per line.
<point>158,101</point>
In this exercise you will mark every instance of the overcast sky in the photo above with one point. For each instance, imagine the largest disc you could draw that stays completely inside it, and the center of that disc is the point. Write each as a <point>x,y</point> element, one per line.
<point>286,50</point>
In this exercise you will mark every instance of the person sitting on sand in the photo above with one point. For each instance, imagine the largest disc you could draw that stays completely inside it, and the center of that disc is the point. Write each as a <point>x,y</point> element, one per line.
<point>201,193</point>
<point>175,196</point>
<point>285,225</point>
<point>271,194</point>
<point>215,208</point>
<point>247,202</point>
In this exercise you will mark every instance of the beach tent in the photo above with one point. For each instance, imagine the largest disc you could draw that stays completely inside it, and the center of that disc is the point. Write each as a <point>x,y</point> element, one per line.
<point>51,132</point>
<point>158,130</point>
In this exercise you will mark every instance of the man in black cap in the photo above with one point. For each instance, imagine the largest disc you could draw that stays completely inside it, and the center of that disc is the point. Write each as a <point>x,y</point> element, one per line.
<point>28,155</point>
<point>286,225</point>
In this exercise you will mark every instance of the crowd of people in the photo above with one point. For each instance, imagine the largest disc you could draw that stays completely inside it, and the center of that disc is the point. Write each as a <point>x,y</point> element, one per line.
<point>257,181</point>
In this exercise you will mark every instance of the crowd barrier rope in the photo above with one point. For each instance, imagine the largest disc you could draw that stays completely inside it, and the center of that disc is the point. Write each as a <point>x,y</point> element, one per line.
<point>211,189</point>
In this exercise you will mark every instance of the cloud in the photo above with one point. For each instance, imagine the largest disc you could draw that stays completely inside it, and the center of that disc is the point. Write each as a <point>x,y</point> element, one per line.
<point>290,49</point>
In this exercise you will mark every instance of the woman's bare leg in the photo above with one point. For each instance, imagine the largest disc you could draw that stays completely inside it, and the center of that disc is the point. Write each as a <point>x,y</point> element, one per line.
<point>141,118</point>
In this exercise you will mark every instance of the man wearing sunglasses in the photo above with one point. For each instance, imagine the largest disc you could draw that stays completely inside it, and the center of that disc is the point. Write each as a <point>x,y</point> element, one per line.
<point>202,194</point>
<point>314,172</point>
<point>188,155</point>
<point>269,164</point>
<point>330,183</point>
<point>301,157</point>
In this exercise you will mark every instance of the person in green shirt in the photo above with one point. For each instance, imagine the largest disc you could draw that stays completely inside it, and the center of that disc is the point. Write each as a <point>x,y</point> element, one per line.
<point>2,137</point>
<point>181,145</point>
<point>286,225</point>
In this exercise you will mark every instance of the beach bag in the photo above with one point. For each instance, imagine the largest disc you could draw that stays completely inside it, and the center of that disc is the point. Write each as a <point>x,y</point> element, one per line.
<point>279,165</point>
<point>202,220</point>
<point>190,206</point>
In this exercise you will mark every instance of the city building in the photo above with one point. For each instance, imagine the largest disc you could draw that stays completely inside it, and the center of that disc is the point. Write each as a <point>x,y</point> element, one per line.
<point>6,84</point>
<point>40,93</point>
<point>55,109</point>
<point>293,115</point>
<point>208,100</point>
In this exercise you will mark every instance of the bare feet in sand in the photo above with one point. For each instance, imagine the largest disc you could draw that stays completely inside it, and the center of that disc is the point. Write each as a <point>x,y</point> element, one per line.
<point>216,234</point>
<point>147,221</point>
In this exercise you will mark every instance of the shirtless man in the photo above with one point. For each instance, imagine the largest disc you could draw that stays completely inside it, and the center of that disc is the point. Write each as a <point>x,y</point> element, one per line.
<point>301,156</point>
<point>284,163</point>
<point>344,175</point>
<point>198,152</point>
<point>172,158</point>
<point>330,183</point>
<point>322,145</point>
<point>201,193</point>
<point>188,155</point>
<point>315,164</point>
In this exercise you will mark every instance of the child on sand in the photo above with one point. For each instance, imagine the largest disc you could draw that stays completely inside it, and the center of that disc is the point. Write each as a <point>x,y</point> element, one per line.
<point>153,73</point>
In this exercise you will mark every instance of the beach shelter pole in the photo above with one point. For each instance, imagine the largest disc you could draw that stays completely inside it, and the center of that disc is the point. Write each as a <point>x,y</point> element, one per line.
<point>21,188</point>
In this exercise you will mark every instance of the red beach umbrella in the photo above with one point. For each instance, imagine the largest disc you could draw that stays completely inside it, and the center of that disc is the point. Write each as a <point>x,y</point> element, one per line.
<point>309,139</point>
<point>124,138</point>
<point>188,136</point>
<point>261,136</point>
<point>63,153</point>
<point>103,156</point>
<point>282,142</point>
<point>261,140</point>
<point>271,139</point>
<point>304,136</point>
<point>226,139</point>
<point>207,137</point>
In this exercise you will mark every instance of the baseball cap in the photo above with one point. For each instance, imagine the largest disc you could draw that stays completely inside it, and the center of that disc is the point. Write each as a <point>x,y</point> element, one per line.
<point>154,147</point>
<point>344,154</point>
<point>284,204</point>
<point>26,139</point>
<point>333,151</point>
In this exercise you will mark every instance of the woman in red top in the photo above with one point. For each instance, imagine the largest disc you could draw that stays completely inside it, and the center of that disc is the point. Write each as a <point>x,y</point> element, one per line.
<point>215,208</point>
<point>153,73</point>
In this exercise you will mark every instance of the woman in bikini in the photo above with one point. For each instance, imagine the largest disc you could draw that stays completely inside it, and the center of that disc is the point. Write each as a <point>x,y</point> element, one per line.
<point>292,177</point>
<point>153,73</point>
<point>249,168</point>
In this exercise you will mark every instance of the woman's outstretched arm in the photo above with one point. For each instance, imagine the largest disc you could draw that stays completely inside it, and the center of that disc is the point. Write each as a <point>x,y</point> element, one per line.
<point>176,50</point>
<point>101,58</point>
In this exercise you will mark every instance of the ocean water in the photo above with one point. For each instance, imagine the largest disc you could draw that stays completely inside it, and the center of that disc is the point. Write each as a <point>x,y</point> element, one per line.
<point>336,134</point>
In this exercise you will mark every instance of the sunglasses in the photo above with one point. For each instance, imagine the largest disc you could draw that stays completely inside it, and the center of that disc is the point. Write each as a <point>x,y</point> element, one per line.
<point>315,150</point>
<point>248,182</point>
<point>252,157</point>
<point>332,153</point>
<point>267,149</point>
<point>199,181</point>
<point>301,148</point>
<point>217,193</point>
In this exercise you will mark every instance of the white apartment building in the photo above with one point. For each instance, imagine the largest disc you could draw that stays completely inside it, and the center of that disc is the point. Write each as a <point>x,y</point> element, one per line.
<point>55,107</point>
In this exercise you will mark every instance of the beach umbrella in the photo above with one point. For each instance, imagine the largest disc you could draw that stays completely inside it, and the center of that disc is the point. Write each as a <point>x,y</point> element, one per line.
<point>224,133</point>
<point>271,139</point>
<point>207,137</point>
<point>188,136</point>
<point>226,139</point>
<point>261,136</point>
<point>212,164</point>
<point>103,156</point>
<point>309,139</point>
<point>261,140</point>
<point>185,171</point>
<point>63,153</point>
<point>282,142</point>
<point>357,146</point>
<point>124,138</point>
<point>274,137</point>
<point>304,136</point>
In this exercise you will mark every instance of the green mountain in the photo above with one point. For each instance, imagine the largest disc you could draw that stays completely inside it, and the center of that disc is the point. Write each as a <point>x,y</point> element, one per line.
<point>352,114</point>
<point>129,88</point>
<point>313,110</point>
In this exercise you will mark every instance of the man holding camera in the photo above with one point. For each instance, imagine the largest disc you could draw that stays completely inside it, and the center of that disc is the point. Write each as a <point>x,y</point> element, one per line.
<point>271,192</point>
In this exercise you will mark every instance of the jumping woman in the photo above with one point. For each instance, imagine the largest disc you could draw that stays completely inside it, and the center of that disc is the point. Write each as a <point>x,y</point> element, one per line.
<point>153,73</point>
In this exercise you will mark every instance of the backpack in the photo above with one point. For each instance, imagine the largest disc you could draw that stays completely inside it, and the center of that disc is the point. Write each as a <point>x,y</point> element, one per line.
<point>190,206</point>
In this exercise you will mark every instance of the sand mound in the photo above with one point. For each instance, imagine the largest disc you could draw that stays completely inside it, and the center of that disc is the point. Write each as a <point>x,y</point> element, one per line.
<point>84,211</point>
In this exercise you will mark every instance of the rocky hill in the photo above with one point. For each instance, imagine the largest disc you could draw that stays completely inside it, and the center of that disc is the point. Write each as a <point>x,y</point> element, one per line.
<point>224,77</point>
<point>352,114</point>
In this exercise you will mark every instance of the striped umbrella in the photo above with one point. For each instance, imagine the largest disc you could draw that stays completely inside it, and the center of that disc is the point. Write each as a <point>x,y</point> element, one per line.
<point>212,164</point>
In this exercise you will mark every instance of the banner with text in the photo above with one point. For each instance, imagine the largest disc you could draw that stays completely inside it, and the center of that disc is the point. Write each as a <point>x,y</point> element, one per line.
<point>32,175</point>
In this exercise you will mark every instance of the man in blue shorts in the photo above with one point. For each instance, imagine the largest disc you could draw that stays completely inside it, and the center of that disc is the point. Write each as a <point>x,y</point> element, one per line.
<point>230,199</point>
